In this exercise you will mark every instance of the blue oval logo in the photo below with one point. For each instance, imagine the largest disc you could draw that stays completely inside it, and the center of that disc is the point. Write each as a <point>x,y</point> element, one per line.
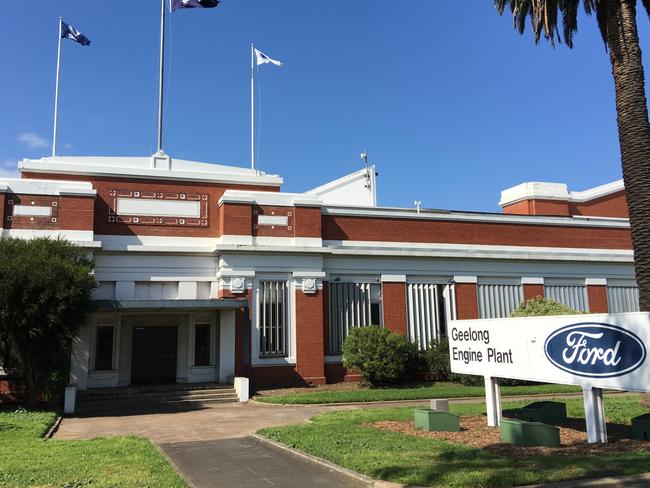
<point>595,350</point>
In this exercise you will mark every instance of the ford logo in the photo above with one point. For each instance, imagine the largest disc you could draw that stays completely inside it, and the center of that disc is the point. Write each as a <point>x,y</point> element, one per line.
<point>595,350</point>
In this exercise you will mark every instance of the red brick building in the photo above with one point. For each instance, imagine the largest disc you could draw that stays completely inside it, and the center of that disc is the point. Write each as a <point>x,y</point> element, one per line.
<point>208,272</point>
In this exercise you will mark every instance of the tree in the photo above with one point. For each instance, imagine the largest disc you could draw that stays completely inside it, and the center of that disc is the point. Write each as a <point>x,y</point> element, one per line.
<point>45,296</point>
<point>616,20</point>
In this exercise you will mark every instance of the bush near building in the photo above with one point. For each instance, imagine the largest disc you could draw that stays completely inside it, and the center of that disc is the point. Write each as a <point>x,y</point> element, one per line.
<point>45,296</point>
<point>540,306</point>
<point>381,356</point>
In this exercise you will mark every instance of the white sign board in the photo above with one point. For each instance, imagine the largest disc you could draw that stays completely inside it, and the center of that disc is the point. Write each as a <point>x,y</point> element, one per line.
<point>592,351</point>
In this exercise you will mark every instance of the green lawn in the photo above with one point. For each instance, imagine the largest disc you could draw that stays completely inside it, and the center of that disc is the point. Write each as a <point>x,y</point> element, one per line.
<point>340,437</point>
<point>28,460</point>
<point>436,390</point>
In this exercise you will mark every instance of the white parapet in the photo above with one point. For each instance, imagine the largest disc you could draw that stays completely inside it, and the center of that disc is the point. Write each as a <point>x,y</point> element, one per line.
<point>70,399</point>
<point>241,388</point>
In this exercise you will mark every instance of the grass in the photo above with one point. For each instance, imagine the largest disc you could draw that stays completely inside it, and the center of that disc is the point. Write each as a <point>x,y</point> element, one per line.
<point>342,438</point>
<point>26,459</point>
<point>436,390</point>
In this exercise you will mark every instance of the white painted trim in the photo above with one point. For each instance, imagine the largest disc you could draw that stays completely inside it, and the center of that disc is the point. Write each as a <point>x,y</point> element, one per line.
<point>532,280</point>
<point>280,220</point>
<point>158,208</point>
<point>80,237</point>
<point>32,210</point>
<point>556,191</point>
<point>434,215</point>
<point>269,198</point>
<point>140,168</point>
<point>466,279</point>
<point>478,251</point>
<point>46,187</point>
<point>596,281</point>
<point>239,240</point>
<point>393,278</point>
<point>310,274</point>
<point>157,243</point>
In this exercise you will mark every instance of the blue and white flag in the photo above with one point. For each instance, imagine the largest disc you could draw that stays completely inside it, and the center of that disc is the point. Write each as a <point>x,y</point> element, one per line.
<point>262,58</point>
<point>69,32</point>
<point>178,4</point>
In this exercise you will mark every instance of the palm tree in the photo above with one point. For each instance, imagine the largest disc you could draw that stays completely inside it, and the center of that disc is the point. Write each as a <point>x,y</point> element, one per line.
<point>617,23</point>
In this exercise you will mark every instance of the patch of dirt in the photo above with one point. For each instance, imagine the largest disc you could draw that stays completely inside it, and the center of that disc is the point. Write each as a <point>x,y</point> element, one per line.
<point>475,433</point>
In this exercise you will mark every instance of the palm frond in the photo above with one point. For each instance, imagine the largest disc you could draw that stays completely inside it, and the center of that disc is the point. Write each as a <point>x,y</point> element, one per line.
<point>545,16</point>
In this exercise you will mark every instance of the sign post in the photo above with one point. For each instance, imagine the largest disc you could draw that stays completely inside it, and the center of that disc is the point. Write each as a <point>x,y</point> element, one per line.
<point>591,351</point>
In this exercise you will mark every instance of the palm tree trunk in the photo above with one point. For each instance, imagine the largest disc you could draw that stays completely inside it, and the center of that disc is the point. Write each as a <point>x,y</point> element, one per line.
<point>633,132</point>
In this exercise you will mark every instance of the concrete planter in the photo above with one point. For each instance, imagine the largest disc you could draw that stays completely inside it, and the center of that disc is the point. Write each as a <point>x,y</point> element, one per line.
<point>641,427</point>
<point>436,421</point>
<point>522,433</point>
<point>553,413</point>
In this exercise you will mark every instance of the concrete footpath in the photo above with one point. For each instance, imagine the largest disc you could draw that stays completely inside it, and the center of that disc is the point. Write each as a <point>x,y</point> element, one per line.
<point>212,447</point>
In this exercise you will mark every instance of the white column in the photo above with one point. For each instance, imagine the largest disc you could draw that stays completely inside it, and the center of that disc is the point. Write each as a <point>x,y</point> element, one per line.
<point>595,415</point>
<point>226,345</point>
<point>493,401</point>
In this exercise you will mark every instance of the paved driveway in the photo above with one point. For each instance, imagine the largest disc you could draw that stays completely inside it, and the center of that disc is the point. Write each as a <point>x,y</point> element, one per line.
<point>211,446</point>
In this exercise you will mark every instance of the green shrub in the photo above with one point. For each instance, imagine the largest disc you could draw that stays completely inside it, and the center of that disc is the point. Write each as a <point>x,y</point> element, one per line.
<point>540,306</point>
<point>381,356</point>
<point>437,359</point>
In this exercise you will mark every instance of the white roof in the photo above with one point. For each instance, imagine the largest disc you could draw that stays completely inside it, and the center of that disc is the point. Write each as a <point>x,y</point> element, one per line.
<point>556,191</point>
<point>154,167</point>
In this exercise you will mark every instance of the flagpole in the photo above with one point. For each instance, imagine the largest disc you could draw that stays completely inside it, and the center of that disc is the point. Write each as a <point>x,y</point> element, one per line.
<point>56,91</point>
<point>162,73</point>
<point>252,106</point>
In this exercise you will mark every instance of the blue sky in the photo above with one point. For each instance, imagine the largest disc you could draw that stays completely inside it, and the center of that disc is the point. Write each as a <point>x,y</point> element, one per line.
<point>451,103</point>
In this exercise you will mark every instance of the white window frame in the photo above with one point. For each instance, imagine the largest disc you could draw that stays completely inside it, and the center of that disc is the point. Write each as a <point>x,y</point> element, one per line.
<point>290,359</point>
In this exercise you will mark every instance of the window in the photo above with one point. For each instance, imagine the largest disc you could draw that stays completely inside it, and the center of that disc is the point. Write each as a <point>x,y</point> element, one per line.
<point>498,297</point>
<point>352,305</point>
<point>572,293</point>
<point>201,344</point>
<point>272,318</point>
<point>622,296</point>
<point>425,312</point>
<point>104,349</point>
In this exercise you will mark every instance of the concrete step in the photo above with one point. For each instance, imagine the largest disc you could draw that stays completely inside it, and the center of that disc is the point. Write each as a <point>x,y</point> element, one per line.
<point>117,407</point>
<point>158,396</point>
<point>136,390</point>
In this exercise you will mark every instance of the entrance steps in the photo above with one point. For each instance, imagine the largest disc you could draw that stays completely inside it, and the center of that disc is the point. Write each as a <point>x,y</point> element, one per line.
<point>153,398</point>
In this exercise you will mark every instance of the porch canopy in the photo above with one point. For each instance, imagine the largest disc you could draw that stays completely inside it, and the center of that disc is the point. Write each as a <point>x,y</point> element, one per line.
<point>175,304</point>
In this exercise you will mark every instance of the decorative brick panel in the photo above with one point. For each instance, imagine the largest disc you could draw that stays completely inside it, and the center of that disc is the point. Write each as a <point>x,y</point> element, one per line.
<point>532,291</point>
<point>38,222</point>
<point>394,304</point>
<point>276,230</point>
<point>597,299</point>
<point>466,301</point>
<point>104,185</point>
<point>310,348</point>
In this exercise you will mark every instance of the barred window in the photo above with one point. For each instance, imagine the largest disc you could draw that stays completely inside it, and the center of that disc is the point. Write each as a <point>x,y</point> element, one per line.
<point>622,296</point>
<point>352,305</point>
<point>498,298</point>
<point>570,293</point>
<point>272,319</point>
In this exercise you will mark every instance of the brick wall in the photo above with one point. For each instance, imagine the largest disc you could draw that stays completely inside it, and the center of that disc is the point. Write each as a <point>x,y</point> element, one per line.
<point>466,301</point>
<point>394,304</point>
<point>532,291</point>
<point>104,186</point>
<point>309,337</point>
<point>67,212</point>
<point>401,230</point>
<point>597,299</point>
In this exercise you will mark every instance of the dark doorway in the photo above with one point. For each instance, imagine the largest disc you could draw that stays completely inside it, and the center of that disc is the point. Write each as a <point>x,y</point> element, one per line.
<point>154,355</point>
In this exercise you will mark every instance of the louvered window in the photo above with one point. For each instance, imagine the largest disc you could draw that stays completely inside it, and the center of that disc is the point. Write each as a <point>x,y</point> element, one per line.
<point>571,293</point>
<point>622,296</point>
<point>352,305</point>
<point>425,312</point>
<point>499,298</point>
<point>273,321</point>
